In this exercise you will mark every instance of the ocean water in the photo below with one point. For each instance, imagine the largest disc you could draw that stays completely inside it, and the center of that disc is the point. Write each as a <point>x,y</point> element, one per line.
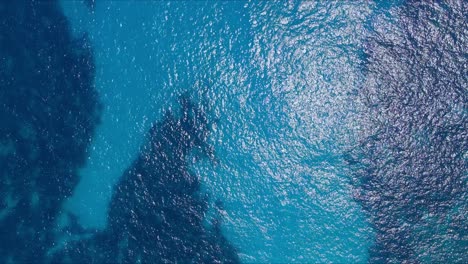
<point>233,131</point>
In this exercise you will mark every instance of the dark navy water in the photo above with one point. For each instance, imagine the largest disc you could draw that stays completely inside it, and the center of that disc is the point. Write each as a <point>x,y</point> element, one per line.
<point>233,132</point>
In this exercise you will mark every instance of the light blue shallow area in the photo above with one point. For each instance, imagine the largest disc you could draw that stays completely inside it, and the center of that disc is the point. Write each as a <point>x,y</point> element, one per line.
<point>281,81</point>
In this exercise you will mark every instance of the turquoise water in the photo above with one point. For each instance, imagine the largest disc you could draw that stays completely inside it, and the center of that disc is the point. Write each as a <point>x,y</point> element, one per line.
<point>233,132</point>
<point>275,77</point>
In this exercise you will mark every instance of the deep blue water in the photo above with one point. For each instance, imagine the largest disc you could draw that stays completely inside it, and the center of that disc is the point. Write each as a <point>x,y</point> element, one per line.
<point>227,132</point>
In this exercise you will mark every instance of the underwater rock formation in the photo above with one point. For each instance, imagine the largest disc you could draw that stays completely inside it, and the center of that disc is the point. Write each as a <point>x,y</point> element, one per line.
<point>157,213</point>
<point>411,170</point>
<point>48,112</point>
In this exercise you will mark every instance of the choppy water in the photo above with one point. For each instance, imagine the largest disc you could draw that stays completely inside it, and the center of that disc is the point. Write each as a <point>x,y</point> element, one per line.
<point>192,131</point>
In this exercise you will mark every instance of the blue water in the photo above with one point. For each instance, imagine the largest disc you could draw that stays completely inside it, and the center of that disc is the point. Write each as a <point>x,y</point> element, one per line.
<point>255,132</point>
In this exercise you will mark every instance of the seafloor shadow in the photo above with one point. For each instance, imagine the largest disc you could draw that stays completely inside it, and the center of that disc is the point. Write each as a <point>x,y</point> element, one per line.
<point>48,113</point>
<point>411,172</point>
<point>157,213</point>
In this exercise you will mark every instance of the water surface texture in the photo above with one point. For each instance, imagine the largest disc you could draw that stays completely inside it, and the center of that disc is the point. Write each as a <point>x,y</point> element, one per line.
<point>233,132</point>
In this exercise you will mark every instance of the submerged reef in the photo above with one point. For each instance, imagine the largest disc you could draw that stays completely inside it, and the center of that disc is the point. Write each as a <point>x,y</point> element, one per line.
<point>48,112</point>
<point>410,169</point>
<point>157,213</point>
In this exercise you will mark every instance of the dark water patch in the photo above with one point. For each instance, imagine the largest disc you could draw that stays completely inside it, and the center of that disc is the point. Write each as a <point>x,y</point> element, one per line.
<point>157,213</point>
<point>411,170</point>
<point>48,113</point>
